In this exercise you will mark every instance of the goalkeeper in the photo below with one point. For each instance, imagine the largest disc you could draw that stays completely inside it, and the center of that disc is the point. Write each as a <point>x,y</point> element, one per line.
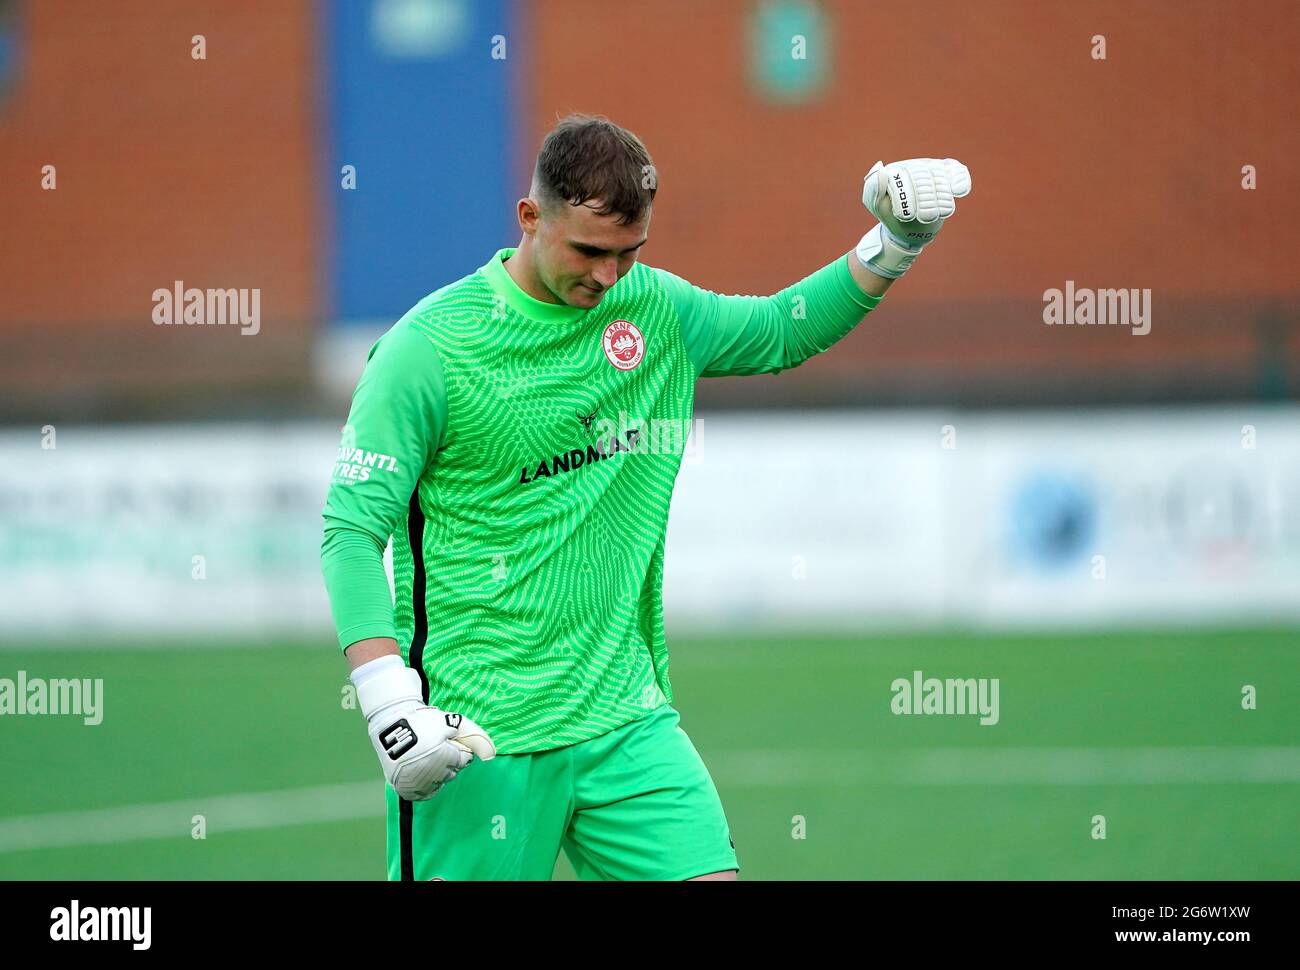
<point>504,436</point>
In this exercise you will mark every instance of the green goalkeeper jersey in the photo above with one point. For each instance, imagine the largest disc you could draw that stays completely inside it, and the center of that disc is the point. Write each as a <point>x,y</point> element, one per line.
<point>521,456</point>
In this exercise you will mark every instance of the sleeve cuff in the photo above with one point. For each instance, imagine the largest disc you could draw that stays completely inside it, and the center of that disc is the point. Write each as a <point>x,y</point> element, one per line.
<point>850,286</point>
<point>365,631</point>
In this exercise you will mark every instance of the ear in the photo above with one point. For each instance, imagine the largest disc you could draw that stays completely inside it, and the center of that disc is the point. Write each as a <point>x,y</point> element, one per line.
<point>530,212</point>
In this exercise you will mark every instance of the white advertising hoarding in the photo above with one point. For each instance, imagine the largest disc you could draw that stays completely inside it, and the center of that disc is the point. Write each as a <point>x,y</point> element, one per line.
<point>848,520</point>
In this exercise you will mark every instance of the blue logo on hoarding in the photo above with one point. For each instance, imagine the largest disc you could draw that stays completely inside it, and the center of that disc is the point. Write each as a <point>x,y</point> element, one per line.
<point>1052,519</point>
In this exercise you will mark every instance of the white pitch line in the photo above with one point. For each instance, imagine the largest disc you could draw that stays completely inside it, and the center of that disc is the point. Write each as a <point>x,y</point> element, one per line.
<point>223,813</point>
<point>770,768</point>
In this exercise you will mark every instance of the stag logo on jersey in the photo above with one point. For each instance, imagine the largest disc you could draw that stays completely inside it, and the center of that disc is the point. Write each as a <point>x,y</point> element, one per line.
<point>623,343</point>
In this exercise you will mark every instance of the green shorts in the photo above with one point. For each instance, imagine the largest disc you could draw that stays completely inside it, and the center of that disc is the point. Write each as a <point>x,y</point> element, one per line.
<point>636,803</point>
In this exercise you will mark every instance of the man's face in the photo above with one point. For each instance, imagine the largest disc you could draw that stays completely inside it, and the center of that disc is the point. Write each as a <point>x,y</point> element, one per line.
<point>579,254</point>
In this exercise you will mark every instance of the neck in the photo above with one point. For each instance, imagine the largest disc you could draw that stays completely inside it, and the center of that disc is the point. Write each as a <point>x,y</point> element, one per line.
<point>523,271</point>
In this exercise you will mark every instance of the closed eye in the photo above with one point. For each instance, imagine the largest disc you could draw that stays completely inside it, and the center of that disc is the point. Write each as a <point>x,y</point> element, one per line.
<point>595,252</point>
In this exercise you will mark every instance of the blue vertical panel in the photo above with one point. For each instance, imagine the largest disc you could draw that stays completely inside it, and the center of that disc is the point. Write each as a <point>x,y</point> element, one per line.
<point>417,103</point>
<point>10,48</point>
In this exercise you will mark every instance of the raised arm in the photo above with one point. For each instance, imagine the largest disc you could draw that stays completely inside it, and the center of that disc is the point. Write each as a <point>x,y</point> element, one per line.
<point>733,335</point>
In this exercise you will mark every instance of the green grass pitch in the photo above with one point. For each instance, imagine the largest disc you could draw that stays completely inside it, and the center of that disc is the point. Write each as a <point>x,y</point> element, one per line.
<point>1144,728</point>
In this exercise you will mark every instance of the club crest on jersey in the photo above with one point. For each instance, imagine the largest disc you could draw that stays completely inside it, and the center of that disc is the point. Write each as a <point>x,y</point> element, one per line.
<point>624,346</point>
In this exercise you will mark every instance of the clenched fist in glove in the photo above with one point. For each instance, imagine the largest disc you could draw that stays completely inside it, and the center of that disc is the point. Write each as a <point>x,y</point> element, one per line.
<point>911,199</point>
<point>421,748</point>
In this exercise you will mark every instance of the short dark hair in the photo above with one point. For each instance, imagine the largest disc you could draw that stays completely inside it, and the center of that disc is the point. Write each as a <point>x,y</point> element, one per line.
<point>588,157</point>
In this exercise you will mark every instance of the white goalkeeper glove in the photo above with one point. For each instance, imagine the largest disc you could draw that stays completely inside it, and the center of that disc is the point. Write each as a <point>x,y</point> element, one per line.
<point>911,199</point>
<point>421,748</point>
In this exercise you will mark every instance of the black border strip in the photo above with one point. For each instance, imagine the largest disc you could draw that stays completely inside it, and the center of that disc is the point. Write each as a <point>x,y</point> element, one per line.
<point>420,633</point>
<point>419,636</point>
<point>406,812</point>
